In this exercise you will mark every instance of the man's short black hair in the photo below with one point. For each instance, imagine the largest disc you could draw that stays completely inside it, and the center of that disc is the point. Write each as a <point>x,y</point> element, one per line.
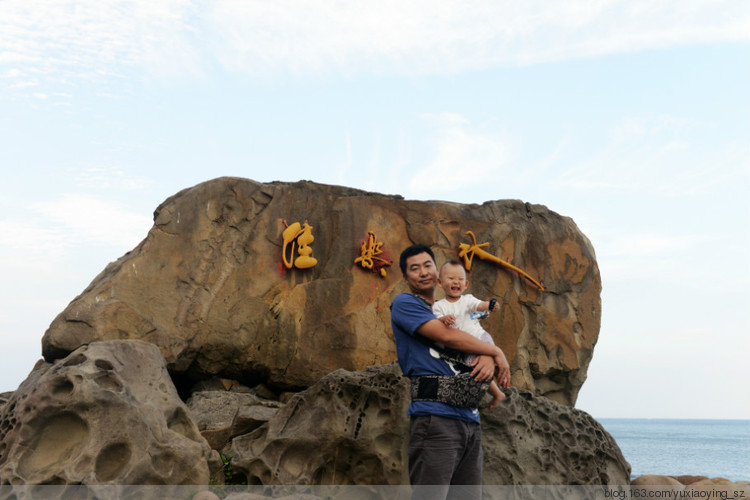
<point>411,252</point>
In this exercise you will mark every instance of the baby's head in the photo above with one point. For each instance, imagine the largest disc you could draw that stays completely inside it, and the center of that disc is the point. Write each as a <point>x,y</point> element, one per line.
<point>452,280</point>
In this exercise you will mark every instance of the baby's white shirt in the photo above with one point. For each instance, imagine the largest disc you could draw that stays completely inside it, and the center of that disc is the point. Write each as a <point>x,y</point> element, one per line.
<point>462,309</point>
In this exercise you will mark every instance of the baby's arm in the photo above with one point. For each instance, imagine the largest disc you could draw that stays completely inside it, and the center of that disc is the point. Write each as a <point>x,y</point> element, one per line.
<point>487,305</point>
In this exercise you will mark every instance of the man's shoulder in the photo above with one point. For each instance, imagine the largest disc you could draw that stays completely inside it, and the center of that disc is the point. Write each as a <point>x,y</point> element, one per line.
<point>408,307</point>
<point>407,299</point>
<point>404,296</point>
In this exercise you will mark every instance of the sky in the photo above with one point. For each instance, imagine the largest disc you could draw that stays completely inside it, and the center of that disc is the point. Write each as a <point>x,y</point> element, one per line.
<point>631,117</point>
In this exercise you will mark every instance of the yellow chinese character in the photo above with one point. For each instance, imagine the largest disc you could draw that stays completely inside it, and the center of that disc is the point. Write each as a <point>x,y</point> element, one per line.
<point>467,252</point>
<point>302,234</point>
<point>369,251</point>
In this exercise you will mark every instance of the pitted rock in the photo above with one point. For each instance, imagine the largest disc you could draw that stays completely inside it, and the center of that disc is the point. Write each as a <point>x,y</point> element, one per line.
<point>352,428</point>
<point>106,414</point>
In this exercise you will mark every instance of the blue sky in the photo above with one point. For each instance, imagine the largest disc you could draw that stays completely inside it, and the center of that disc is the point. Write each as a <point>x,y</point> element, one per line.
<point>631,117</point>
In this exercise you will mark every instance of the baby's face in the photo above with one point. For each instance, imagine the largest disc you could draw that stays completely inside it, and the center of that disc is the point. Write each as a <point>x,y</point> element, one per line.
<point>453,281</point>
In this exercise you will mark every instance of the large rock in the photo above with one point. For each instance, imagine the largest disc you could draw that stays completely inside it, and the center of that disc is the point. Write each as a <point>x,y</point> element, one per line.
<point>530,439</point>
<point>349,429</point>
<point>352,428</point>
<point>208,285</point>
<point>106,414</point>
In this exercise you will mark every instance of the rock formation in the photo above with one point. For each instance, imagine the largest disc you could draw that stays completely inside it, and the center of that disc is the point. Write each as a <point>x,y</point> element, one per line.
<point>351,428</point>
<point>529,439</point>
<point>210,287</point>
<point>106,414</point>
<point>264,284</point>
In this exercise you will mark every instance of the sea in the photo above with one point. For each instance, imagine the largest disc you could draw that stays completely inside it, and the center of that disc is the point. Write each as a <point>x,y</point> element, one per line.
<point>676,447</point>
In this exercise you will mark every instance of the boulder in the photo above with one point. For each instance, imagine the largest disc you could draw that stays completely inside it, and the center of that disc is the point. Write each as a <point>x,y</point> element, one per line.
<point>657,480</point>
<point>210,284</point>
<point>106,414</point>
<point>222,415</point>
<point>529,439</point>
<point>352,428</point>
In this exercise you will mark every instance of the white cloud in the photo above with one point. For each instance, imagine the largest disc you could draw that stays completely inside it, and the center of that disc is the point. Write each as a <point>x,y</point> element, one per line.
<point>649,244</point>
<point>65,40</point>
<point>661,154</point>
<point>464,156</point>
<point>109,178</point>
<point>69,40</point>
<point>86,218</point>
<point>31,241</point>
<point>447,36</point>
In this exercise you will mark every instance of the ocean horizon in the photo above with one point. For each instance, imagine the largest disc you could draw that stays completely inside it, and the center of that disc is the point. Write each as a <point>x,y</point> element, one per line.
<point>676,447</point>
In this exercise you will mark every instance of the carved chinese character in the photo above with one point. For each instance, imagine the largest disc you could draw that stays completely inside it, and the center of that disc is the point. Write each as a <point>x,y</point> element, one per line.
<point>467,252</point>
<point>302,235</point>
<point>369,252</point>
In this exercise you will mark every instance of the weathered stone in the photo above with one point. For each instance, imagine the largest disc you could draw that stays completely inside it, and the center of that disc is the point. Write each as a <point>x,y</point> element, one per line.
<point>222,415</point>
<point>205,495</point>
<point>352,428</point>
<point>688,479</point>
<point>217,409</point>
<point>657,480</point>
<point>530,439</point>
<point>208,285</point>
<point>250,418</point>
<point>106,414</point>
<point>349,428</point>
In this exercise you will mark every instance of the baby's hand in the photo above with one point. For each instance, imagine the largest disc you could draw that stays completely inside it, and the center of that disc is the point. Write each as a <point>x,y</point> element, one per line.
<point>448,320</point>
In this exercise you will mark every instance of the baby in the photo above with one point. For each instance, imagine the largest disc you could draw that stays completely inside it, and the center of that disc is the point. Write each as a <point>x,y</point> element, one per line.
<point>462,312</point>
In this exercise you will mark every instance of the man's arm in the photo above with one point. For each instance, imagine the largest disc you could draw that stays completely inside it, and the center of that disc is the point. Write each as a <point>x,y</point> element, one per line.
<point>464,342</point>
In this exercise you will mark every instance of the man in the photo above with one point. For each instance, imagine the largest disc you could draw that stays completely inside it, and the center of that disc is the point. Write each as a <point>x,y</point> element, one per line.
<point>445,439</point>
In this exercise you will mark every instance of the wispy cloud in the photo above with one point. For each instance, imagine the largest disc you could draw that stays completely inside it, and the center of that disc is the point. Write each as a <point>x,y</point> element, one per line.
<point>447,36</point>
<point>464,155</point>
<point>33,242</point>
<point>69,40</point>
<point>89,219</point>
<point>110,178</point>
<point>658,153</point>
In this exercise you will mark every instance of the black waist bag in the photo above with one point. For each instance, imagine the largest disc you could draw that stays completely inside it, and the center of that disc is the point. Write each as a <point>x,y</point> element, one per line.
<point>460,390</point>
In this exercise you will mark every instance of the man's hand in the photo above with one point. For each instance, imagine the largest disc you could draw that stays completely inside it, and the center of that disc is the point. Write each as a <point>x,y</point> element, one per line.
<point>484,368</point>
<point>503,370</point>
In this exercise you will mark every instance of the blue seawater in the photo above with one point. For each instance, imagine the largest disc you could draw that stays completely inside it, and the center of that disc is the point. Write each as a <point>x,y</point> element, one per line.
<point>674,447</point>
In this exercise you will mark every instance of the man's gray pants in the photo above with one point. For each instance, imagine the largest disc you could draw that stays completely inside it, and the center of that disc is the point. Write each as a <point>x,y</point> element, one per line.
<point>445,458</point>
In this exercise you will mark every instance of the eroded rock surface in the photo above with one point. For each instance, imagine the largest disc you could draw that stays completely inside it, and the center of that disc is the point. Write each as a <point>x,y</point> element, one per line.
<point>529,439</point>
<point>352,428</point>
<point>209,287</point>
<point>349,428</point>
<point>106,414</point>
<point>223,415</point>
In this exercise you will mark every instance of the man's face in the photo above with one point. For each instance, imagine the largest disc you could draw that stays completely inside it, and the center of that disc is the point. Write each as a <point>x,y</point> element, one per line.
<point>421,274</point>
